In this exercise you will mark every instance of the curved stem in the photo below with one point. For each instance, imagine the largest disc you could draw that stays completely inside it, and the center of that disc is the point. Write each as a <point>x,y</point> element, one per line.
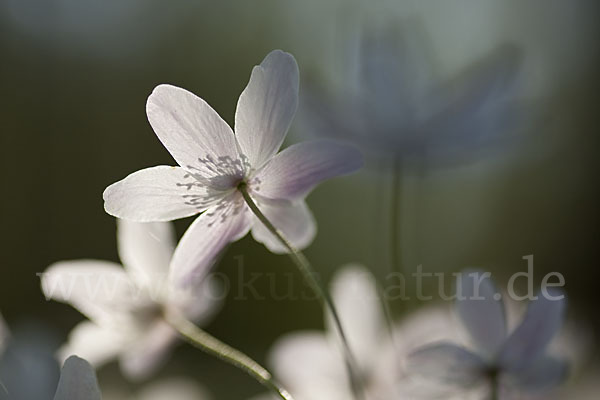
<point>311,278</point>
<point>211,345</point>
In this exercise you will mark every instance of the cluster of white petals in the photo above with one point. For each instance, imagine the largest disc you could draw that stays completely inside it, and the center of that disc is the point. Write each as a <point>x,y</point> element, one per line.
<point>126,304</point>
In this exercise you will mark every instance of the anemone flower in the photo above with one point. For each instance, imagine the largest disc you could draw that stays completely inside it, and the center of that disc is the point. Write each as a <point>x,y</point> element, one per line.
<point>126,304</point>
<point>216,165</point>
<point>504,363</point>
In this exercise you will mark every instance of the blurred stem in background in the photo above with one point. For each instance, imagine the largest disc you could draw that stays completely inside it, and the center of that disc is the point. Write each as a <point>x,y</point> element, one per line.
<point>208,343</point>
<point>311,278</point>
<point>395,213</point>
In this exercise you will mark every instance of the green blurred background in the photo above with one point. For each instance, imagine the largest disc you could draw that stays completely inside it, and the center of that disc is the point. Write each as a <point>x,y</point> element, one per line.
<point>75,75</point>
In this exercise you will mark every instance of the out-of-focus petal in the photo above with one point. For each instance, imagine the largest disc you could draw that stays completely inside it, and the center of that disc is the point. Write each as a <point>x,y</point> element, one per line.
<point>204,240</point>
<point>77,381</point>
<point>395,74</point>
<point>543,374</point>
<point>266,107</point>
<point>160,193</point>
<point>447,363</point>
<point>195,135</point>
<point>149,352</point>
<point>146,249</point>
<point>294,220</point>
<point>95,343</point>
<point>481,312</point>
<point>294,172</point>
<point>542,321</point>
<point>479,110</point>
<point>355,295</point>
<point>310,367</point>
<point>99,289</point>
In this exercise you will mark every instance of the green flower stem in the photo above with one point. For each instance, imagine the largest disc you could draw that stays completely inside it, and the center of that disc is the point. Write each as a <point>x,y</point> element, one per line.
<point>495,388</point>
<point>211,345</point>
<point>311,278</point>
<point>395,208</point>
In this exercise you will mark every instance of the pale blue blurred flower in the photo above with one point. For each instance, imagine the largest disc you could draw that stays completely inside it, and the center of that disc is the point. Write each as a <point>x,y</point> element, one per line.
<point>518,361</point>
<point>28,368</point>
<point>395,105</point>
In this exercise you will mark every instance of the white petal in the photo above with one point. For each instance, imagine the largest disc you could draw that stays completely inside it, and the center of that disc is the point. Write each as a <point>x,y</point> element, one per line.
<point>294,220</point>
<point>355,296</point>
<point>266,107</point>
<point>447,363</point>
<point>545,373</point>
<point>158,194</point>
<point>195,135</point>
<point>481,313</point>
<point>146,249</point>
<point>99,289</point>
<point>310,367</point>
<point>294,172</point>
<point>96,344</point>
<point>77,381</point>
<point>204,240</point>
<point>542,321</point>
<point>149,352</point>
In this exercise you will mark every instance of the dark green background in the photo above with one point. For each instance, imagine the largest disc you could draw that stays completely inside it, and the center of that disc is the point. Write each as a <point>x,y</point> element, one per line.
<point>73,90</point>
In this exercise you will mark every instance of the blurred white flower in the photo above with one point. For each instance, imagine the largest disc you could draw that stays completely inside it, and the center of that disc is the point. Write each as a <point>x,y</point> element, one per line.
<point>171,388</point>
<point>310,365</point>
<point>77,381</point>
<point>214,162</point>
<point>126,306</point>
<point>399,107</point>
<point>518,361</point>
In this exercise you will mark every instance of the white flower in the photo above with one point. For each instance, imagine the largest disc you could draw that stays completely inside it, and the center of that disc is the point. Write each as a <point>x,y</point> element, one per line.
<point>214,161</point>
<point>77,381</point>
<point>126,305</point>
<point>310,364</point>
<point>399,107</point>
<point>516,361</point>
